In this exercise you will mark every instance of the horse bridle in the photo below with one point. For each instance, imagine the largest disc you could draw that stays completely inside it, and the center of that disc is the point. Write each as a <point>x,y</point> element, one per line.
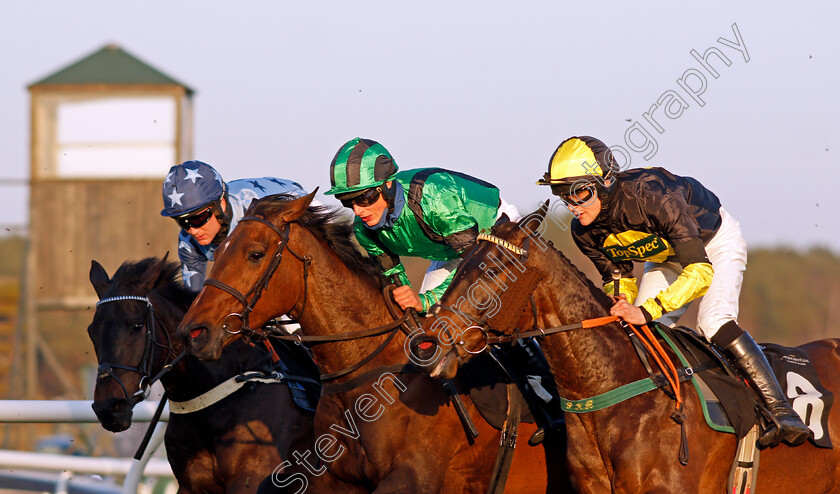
<point>144,367</point>
<point>256,291</point>
<point>482,325</point>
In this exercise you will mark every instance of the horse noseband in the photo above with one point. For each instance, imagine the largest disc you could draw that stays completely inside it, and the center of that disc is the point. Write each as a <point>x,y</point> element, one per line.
<point>256,291</point>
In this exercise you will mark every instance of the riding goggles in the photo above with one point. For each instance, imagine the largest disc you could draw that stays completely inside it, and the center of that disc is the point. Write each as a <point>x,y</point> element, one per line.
<point>196,220</point>
<point>578,194</point>
<point>365,199</point>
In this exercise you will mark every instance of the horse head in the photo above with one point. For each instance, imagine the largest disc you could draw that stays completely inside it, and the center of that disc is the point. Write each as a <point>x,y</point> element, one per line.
<point>129,346</point>
<point>491,296</point>
<point>249,263</point>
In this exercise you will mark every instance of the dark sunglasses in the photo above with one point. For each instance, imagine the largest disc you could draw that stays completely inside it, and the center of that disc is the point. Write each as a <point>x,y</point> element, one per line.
<point>577,195</point>
<point>367,198</point>
<point>195,220</point>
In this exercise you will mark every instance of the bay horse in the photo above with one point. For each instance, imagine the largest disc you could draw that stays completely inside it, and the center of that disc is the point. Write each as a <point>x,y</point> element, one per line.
<point>381,430</point>
<point>517,281</point>
<point>226,447</point>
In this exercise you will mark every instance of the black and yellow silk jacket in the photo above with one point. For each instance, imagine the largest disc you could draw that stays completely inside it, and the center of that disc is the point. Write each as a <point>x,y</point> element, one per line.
<point>653,215</point>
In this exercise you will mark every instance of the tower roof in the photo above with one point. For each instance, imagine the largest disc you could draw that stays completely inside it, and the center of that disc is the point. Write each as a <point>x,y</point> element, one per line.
<point>109,65</point>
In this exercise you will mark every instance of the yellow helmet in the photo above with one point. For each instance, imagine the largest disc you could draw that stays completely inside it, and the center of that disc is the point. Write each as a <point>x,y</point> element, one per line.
<point>580,161</point>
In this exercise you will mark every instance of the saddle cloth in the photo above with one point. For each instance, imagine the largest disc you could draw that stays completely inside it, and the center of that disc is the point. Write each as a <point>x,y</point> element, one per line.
<point>295,361</point>
<point>488,390</point>
<point>729,405</point>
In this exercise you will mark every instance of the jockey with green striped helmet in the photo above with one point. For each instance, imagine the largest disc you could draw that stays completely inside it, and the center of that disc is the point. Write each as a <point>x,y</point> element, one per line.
<point>431,213</point>
<point>434,214</point>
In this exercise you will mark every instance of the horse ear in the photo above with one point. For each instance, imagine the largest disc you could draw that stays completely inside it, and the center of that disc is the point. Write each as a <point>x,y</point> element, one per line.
<point>538,215</point>
<point>153,276</point>
<point>168,274</point>
<point>296,207</point>
<point>99,279</point>
<point>501,221</point>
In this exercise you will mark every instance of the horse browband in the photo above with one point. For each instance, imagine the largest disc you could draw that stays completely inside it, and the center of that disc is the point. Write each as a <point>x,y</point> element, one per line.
<point>519,251</point>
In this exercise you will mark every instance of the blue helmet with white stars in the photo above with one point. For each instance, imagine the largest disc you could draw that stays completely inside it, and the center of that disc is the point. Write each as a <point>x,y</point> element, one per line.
<point>190,186</point>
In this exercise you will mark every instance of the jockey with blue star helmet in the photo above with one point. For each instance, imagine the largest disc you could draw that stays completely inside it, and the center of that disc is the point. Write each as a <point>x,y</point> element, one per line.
<point>207,209</point>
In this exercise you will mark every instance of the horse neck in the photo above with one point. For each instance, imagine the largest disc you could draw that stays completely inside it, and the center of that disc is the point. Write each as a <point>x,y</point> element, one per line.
<point>586,362</point>
<point>340,300</point>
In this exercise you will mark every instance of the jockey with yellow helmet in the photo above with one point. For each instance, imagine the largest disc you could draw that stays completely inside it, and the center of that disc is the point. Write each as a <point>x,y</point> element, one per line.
<point>690,245</point>
<point>434,214</point>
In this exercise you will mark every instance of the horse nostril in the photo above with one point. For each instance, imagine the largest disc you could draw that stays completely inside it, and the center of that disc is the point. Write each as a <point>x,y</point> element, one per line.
<point>425,348</point>
<point>196,332</point>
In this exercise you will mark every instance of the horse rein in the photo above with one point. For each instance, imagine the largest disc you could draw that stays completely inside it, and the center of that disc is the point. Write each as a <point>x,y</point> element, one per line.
<point>482,325</point>
<point>143,368</point>
<point>256,291</point>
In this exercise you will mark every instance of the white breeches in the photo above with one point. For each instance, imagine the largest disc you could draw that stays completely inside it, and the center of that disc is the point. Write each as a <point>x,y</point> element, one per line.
<point>727,252</point>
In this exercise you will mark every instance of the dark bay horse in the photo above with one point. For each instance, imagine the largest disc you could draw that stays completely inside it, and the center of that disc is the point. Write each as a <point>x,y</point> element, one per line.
<point>393,432</point>
<point>632,446</point>
<point>227,447</point>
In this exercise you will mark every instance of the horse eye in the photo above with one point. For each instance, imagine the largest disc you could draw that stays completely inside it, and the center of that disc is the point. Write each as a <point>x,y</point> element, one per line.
<point>256,256</point>
<point>138,326</point>
<point>492,272</point>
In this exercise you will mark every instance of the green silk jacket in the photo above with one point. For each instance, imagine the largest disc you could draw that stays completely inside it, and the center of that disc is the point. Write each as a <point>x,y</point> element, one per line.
<point>443,213</point>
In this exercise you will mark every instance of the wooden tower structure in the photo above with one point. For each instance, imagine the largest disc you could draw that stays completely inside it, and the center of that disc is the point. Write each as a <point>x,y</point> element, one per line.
<point>104,132</point>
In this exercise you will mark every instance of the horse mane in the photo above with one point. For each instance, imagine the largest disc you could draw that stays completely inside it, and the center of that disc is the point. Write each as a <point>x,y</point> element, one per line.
<point>331,226</point>
<point>130,273</point>
<point>597,293</point>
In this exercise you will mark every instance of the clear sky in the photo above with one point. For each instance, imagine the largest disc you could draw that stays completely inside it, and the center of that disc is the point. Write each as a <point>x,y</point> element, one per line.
<point>488,88</point>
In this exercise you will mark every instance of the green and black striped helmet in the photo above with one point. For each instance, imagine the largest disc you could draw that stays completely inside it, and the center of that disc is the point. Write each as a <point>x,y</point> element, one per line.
<point>360,164</point>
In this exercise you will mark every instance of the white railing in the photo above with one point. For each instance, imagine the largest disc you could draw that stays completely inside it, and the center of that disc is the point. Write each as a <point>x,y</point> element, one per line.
<point>31,411</point>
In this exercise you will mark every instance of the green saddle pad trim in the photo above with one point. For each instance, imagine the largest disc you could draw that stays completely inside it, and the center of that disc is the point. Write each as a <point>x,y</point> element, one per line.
<point>703,405</point>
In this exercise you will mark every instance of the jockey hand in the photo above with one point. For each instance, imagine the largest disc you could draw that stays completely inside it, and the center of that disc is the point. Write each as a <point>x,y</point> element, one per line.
<point>627,311</point>
<point>405,297</point>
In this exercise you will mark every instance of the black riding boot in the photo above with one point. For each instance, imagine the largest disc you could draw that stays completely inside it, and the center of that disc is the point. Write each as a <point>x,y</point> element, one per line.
<point>750,360</point>
<point>532,371</point>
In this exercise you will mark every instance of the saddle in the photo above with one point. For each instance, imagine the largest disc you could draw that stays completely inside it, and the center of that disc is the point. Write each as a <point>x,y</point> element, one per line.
<point>729,405</point>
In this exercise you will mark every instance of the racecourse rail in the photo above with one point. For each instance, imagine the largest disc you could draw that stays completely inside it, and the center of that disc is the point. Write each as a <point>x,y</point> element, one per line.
<point>79,411</point>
